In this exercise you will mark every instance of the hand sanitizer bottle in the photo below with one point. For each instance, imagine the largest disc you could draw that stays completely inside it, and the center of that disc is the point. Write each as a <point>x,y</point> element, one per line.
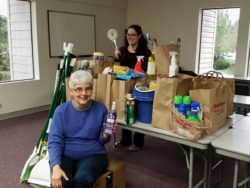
<point>173,69</point>
<point>111,119</point>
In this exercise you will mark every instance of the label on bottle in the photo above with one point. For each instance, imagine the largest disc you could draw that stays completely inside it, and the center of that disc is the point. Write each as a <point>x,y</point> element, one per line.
<point>130,112</point>
<point>110,122</point>
<point>151,68</point>
<point>98,56</point>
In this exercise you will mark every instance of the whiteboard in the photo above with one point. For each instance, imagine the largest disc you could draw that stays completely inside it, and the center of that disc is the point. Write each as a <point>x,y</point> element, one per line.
<point>75,28</point>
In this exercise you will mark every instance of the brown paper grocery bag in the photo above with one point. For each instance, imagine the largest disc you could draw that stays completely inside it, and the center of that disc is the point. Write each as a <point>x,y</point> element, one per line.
<point>162,57</point>
<point>119,90</point>
<point>104,82</point>
<point>96,67</point>
<point>184,127</point>
<point>217,78</point>
<point>166,89</point>
<point>213,101</point>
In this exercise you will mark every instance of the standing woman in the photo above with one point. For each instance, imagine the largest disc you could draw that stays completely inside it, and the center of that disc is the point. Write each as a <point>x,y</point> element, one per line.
<point>135,45</point>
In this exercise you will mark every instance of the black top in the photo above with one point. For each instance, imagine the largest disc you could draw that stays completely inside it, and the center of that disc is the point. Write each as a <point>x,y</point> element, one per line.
<point>129,59</point>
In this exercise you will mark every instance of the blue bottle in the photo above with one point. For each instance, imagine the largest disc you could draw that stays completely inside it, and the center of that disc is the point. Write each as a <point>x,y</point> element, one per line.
<point>195,108</point>
<point>187,103</point>
<point>182,109</point>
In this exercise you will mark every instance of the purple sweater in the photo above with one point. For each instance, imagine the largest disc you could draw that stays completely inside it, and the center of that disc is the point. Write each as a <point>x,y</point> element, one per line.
<point>76,133</point>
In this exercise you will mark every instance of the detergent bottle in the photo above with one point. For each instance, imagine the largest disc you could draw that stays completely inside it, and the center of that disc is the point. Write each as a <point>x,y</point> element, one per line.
<point>139,64</point>
<point>174,68</point>
<point>151,69</point>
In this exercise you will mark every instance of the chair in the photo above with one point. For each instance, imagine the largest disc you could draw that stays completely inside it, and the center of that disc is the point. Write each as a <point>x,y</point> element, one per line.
<point>114,177</point>
<point>242,88</point>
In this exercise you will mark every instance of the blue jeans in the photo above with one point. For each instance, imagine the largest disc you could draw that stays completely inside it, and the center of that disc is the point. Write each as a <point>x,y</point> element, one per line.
<point>84,172</point>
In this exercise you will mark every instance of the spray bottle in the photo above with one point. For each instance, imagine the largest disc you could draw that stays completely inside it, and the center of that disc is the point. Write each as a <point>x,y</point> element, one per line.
<point>139,64</point>
<point>174,68</point>
<point>111,119</point>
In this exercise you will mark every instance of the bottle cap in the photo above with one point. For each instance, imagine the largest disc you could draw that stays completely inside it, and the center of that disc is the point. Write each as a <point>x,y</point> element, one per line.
<point>98,54</point>
<point>178,99</point>
<point>186,100</point>
<point>150,59</point>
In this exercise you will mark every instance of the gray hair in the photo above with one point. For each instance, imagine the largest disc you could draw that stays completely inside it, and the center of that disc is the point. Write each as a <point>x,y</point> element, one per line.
<point>80,77</point>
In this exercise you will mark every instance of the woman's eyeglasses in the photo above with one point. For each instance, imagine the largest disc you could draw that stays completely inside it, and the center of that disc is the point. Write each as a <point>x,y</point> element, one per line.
<point>80,90</point>
<point>131,35</point>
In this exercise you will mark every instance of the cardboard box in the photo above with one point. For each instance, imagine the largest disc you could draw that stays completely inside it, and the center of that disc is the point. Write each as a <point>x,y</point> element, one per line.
<point>114,178</point>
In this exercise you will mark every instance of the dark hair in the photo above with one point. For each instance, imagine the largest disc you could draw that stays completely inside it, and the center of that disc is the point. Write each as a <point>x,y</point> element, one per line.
<point>142,41</point>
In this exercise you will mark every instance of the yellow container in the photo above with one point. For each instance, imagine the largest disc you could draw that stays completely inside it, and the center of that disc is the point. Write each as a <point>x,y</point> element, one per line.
<point>117,69</point>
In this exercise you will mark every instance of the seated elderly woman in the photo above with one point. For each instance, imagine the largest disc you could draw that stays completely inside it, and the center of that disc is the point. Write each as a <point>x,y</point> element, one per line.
<point>76,138</point>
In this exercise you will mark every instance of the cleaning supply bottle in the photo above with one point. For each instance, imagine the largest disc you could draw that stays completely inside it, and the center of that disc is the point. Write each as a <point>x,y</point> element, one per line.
<point>139,64</point>
<point>174,68</point>
<point>151,71</point>
<point>187,103</point>
<point>110,120</point>
<point>195,107</point>
<point>178,99</point>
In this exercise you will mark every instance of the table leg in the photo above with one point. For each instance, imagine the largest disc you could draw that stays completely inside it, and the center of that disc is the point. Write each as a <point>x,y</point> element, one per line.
<point>191,161</point>
<point>205,173</point>
<point>133,136</point>
<point>209,167</point>
<point>114,140</point>
<point>236,168</point>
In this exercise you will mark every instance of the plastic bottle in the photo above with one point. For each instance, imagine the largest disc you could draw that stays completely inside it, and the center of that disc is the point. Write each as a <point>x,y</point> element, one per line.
<point>177,101</point>
<point>151,73</point>
<point>138,64</point>
<point>130,105</point>
<point>174,68</point>
<point>195,107</point>
<point>187,103</point>
<point>182,109</point>
<point>111,119</point>
<point>97,63</point>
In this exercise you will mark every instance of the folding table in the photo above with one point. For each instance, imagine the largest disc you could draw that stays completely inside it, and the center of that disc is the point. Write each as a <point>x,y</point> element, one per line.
<point>234,143</point>
<point>202,144</point>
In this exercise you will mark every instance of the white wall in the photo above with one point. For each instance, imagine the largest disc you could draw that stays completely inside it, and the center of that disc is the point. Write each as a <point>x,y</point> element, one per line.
<point>20,96</point>
<point>167,20</point>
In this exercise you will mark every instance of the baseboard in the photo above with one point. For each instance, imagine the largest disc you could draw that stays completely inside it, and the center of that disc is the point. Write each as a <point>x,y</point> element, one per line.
<point>24,112</point>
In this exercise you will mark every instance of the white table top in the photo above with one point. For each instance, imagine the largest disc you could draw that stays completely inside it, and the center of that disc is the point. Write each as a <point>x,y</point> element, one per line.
<point>170,136</point>
<point>242,99</point>
<point>243,124</point>
<point>234,143</point>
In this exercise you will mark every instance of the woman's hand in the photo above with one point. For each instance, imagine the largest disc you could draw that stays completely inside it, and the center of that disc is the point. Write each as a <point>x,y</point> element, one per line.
<point>56,178</point>
<point>114,128</point>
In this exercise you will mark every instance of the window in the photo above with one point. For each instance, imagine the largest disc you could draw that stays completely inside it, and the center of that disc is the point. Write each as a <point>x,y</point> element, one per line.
<point>16,54</point>
<point>218,40</point>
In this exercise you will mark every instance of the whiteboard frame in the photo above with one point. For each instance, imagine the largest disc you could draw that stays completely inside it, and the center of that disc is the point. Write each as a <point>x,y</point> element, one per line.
<point>56,54</point>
